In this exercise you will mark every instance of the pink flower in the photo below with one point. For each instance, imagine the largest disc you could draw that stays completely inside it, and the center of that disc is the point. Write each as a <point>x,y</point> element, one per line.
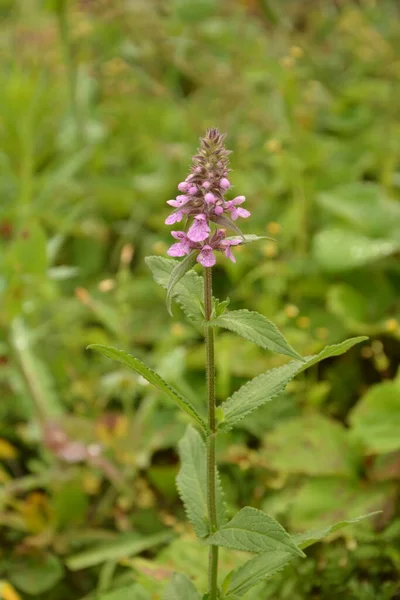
<point>206,257</point>
<point>206,185</point>
<point>218,210</point>
<point>237,212</point>
<point>179,201</point>
<point>224,183</point>
<point>209,198</point>
<point>174,217</point>
<point>192,190</point>
<point>182,247</point>
<point>225,245</point>
<point>200,229</point>
<point>183,186</point>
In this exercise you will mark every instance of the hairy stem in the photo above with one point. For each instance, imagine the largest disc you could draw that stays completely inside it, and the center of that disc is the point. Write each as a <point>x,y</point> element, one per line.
<point>211,458</point>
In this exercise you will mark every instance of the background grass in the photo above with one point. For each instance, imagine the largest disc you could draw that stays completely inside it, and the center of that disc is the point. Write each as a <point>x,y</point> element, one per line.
<point>101,107</point>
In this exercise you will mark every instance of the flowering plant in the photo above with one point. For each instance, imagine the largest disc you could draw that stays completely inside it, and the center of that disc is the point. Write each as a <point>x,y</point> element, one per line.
<point>208,216</point>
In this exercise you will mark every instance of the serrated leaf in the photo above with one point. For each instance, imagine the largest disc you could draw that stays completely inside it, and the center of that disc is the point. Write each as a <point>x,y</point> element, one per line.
<point>188,291</point>
<point>180,587</point>
<point>267,386</point>
<point>242,579</point>
<point>192,483</point>
<point>152,377</point>
<point>122,547</point>
<point>177,273</point>
<point>303,540</point>
<point>251,530</point>
<point>257,329</point>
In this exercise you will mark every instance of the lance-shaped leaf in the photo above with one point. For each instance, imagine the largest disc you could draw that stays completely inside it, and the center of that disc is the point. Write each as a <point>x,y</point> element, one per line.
<point>180,587</point>
<point>188,291</point>
<point>267,386</point>
<point>257,329</point>
<point>153,378</point>
<point>248,238</point>
<point>192,483</point>
<point>303,540</point>
<point>178,272</point>
<point>263,566</point>
<point>225,222</point>
<point>251,530</point>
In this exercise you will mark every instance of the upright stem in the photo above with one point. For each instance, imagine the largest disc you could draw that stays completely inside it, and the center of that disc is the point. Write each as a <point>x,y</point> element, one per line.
<point>211,458</point>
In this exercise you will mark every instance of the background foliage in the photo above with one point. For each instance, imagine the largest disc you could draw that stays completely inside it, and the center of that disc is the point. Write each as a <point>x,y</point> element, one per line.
<point>101,107</point>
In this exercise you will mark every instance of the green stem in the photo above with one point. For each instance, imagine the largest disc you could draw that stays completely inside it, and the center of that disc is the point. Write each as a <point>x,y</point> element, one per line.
<point>211,456</point>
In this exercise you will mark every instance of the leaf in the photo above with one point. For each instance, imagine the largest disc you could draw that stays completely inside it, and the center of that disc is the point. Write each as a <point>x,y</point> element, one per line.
<point>251,530</point>
<point>242,579</point>
<point>152,377</point>
<point>267,386</point>
<point>293,447</point>
<point>27,253</point>
<point>130,592</point>
<point>177,273</point>
<point>256,328</point>
<point>248,238</point>
<point>188,291</point>
<point>225,222</point>
<point>375,419</point>
<point>192,483</point>
<point>122,547</point>
<point>180,587</point>
<point>339,250</point>
<point>36,574</point>
<point>364,206</point>
<point>303,540</point>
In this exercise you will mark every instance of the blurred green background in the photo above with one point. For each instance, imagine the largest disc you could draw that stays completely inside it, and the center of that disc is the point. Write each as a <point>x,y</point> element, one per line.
<point>101,106</point>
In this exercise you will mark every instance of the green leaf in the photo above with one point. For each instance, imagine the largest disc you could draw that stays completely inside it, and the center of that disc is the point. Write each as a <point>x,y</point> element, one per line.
<point>339,250</point>
<point>188,291</point>
<point>180,587</point>
<point>364,206</point>
<point>242,579</point>
<point>36,574</point>
<point>251,530</point>
<point>249,238</point>
<point>225,222</point>
<point>375,419</point>
<point>178,272</point>
<point>293,447</point>
<point>152,377</point>
<point>130,592</point>
<point>267,386</point>
<point>27,254</point>
<point>303,540</point>
<point>192,483</point>
<point>123,547</point>
<point>257,329</point>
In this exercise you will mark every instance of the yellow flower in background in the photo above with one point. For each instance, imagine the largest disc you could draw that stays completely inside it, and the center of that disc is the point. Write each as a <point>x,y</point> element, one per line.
<point>7,592</point>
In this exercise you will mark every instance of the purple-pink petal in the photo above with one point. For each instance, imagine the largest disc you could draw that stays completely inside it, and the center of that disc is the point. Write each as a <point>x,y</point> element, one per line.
<point>199,230</point>
<point>209,198</point>
<point>224,183</point>
<point>206,257</point>
<point>242,212</point>
<point>179,249</point>
<point>183,186</point>
<point>174,217</point>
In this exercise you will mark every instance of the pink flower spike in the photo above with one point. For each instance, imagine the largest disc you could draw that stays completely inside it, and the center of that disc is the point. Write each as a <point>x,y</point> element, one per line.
<point>206,257</point>
<point>183,186</point>
<point>218,210</point>
<point>199,230</point>
<point>192,190</point>
<point>206,185</point>
<point>174,217</point>
<point>224,183</point>
<point>209,198</point>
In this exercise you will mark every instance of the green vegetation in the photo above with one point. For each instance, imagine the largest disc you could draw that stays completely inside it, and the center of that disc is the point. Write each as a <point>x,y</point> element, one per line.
<point>101,106</point>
